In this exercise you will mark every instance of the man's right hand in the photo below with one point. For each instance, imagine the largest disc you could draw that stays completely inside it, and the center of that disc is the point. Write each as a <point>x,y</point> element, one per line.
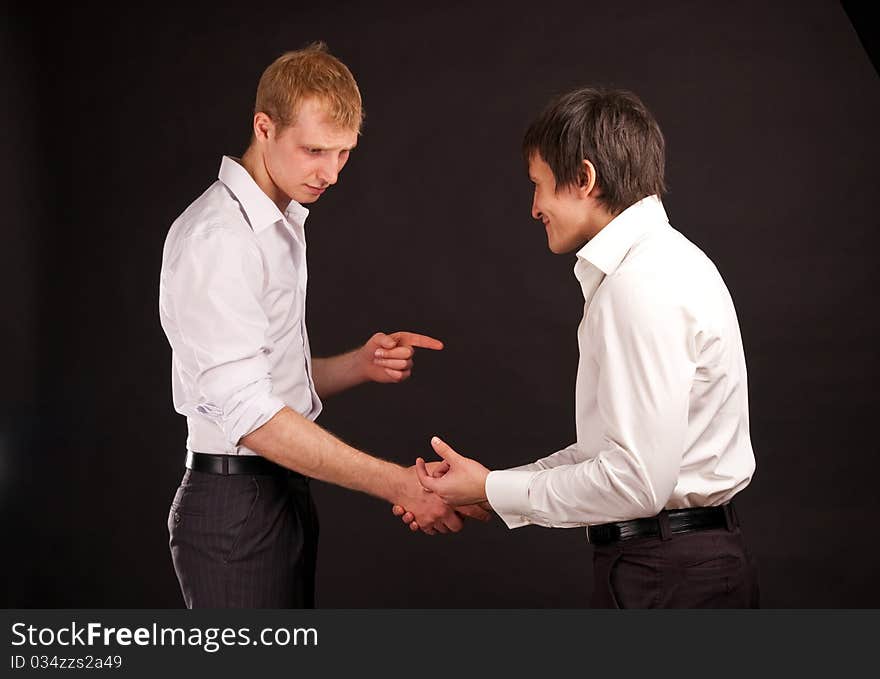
<point>481,511</point>
<point>430,513</point>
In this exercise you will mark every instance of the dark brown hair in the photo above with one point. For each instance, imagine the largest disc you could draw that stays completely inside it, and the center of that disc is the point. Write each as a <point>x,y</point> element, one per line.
<point>612,129</point>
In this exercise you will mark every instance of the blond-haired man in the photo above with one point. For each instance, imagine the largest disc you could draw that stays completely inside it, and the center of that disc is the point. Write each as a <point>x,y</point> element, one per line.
<point>243,528</point>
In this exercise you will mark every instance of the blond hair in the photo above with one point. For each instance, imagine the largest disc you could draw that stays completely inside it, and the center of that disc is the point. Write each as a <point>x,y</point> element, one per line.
<point>309,72</point>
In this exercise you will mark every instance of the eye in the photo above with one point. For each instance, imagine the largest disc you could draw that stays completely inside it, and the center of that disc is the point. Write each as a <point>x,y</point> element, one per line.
<point>315,152</point>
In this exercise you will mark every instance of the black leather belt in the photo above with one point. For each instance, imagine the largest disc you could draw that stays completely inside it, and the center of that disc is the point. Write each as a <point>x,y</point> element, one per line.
<point>679,521</point>
<point>236,464</point>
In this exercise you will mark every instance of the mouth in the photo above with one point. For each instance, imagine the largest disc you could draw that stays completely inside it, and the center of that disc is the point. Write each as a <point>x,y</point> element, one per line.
<point>314,190</point>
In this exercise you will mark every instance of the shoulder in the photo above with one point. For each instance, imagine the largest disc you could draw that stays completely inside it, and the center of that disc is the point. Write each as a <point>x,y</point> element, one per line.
<point>212,222</point>
<point>653,277</point>
<point>664,249</point>
<point>665,281</point>
<point>665,259</point>
<point>216,210</point>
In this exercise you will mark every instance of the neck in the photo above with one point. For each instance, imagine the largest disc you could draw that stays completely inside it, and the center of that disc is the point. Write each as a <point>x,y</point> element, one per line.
<point>602,220</point>
<point>599,218</point>
<point>253,162</point>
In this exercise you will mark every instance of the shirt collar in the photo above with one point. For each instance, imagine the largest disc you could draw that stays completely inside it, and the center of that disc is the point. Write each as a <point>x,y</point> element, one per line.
<point>260,210</point>
<point>607,248</point>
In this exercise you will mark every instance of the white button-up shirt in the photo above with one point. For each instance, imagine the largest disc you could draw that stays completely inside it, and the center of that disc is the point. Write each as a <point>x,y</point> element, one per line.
<point>232,295</point>
<point>661,404</point>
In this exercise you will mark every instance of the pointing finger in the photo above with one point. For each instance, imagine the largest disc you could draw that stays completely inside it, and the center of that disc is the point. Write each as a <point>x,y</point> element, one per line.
<point>415,340</point>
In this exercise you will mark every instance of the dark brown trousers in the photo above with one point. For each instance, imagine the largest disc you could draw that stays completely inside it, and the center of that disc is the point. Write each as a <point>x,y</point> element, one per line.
<point>702,569</point>
<point>244,541</point>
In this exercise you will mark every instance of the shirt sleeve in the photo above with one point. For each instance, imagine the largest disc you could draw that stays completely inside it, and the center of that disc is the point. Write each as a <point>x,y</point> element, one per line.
<point>568,455</point>
<point>646,368</point>
<point>216,285</point>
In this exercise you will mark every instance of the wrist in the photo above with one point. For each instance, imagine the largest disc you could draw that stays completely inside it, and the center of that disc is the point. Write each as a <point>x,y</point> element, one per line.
<point>398,483</point>
<point>358,365</point>
<point>485,494</point>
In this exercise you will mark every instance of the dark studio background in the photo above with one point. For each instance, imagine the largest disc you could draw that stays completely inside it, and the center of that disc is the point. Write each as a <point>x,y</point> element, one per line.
<point>113,122</point>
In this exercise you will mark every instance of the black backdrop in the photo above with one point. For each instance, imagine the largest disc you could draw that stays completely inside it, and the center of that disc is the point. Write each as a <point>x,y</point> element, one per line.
<point>114,120</point>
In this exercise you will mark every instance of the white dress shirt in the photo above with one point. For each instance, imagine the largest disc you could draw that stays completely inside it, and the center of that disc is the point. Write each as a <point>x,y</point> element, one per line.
<point>661,404</point>
<point>232,296</point>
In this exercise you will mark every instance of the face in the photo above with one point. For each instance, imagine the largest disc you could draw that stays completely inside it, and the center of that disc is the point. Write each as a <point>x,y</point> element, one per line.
<point>566,215</point>
<point>305,158</point>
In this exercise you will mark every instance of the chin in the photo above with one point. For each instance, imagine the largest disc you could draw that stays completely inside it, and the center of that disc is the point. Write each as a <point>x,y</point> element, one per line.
<point>558,248</point>
<point>567,246</point>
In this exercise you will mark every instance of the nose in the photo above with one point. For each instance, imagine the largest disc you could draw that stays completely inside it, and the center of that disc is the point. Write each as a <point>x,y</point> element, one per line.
<point>328,173</point>
<point>536,212</point>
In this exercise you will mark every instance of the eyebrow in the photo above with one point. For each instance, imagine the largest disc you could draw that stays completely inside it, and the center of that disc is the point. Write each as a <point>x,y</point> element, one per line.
<point>321,147</point>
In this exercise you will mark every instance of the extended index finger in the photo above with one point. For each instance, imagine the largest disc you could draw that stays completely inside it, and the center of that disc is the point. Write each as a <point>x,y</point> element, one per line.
<point>413,339</point>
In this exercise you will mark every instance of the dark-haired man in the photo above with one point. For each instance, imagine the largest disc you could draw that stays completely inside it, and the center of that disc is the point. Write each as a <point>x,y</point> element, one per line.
<point>661,402</point>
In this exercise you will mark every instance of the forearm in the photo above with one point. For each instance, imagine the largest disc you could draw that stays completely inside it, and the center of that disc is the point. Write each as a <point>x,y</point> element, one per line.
<point>337,373</point>
<point>616,485</point>
<point>566,456</point>
<point>293,441</point>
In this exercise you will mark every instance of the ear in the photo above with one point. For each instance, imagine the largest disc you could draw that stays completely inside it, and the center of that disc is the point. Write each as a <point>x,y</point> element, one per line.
<point>588,178</point>
<point>264,127</point>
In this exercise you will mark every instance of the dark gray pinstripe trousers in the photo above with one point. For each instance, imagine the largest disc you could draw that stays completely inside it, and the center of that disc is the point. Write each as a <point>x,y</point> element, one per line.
<point>244,541</point>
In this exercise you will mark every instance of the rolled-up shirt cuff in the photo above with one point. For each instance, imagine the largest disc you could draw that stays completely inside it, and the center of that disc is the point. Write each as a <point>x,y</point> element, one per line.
<point>508,493</point>
<point>249,409</point>
<point>250,415</point>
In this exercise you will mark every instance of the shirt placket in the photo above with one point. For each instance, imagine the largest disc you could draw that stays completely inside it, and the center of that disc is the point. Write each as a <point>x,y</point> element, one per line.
<point>302,281</point>
<point>590,278</point>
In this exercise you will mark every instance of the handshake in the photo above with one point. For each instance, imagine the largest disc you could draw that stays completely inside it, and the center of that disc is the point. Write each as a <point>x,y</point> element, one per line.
<point>439,495</point>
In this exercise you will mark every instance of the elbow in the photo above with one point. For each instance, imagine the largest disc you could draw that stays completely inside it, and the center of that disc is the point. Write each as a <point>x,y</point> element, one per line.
<point>644,502</point>
<point>640,480</point>
<point>647,488</point>
<point>655,494</point>
<point>639,492</point>
<point>241,411</point>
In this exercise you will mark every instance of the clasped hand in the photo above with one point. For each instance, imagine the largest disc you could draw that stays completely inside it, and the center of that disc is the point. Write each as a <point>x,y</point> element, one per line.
<point>457,481</point>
